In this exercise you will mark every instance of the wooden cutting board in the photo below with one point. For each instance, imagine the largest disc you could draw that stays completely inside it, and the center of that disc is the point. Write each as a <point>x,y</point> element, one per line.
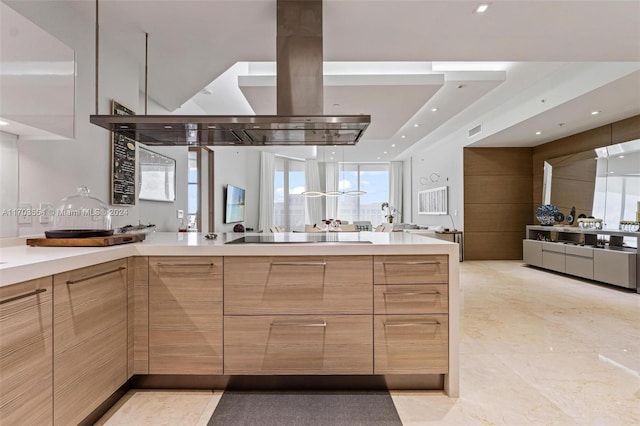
<point>86,242</point>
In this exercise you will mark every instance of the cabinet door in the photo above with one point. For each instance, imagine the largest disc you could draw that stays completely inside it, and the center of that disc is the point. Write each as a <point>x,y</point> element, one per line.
<point>185,315</point>
<point>294,344</point>
<point>297,285</point>
<point>579,261</point>
<point>411,344</point>
<point>90,338</point>
<point>26,353</point>
<point>532,252</point>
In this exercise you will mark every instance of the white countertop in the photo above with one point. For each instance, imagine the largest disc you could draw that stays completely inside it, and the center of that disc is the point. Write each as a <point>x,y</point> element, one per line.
<point>22,263</point>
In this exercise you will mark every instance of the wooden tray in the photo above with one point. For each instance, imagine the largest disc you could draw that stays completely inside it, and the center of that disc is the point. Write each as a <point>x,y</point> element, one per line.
<point>86,242</point>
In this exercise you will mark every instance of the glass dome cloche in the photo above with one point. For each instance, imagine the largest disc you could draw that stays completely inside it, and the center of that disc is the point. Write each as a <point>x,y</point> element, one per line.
<point>81,216</point>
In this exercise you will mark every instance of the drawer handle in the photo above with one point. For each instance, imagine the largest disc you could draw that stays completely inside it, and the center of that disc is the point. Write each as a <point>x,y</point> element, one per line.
<point>185,264</point>
<point>298,324</point>
<point>323,264</point>
<point>97,275</point>
<point>423,262</point>
<point>410,293</point>
<point>411,324</point>
<point>22,296</point>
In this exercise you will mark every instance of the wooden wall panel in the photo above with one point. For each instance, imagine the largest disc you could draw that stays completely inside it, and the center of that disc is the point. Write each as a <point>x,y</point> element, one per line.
<point>493,245</point>
<point>488,218</point>
<point>497,161</point>
<point>498,186</point>
<point>625,130</point>
<point>489,190</point>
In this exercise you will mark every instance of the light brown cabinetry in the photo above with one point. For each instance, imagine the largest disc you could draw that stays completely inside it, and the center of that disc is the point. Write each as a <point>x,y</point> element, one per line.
<point>411,314</point>
<point>26,353</point>
<point>185,315</point>
<point>90,338</point>
<point>298,315</point>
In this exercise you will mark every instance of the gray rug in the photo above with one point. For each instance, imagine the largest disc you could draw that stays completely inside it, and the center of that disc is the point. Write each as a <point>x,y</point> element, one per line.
<point>304,408</point>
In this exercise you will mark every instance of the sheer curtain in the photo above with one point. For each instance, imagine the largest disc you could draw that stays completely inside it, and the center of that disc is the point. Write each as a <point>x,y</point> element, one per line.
<point>331,181</point>
<point>395,187</point>
<point>267,172</point>
<point>313,205</point>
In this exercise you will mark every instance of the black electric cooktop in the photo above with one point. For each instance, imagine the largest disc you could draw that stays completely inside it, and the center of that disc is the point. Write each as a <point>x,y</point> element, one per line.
<point>294,239</point>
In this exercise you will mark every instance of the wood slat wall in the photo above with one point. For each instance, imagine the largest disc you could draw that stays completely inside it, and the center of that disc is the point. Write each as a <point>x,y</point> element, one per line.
<point>498,186</point>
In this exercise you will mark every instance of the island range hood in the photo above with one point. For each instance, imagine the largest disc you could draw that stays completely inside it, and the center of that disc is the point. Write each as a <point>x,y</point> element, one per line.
<point>299,119</point>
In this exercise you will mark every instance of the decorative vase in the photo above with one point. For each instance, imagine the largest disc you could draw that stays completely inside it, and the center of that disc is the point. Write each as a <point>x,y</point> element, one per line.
<point>390,219</point>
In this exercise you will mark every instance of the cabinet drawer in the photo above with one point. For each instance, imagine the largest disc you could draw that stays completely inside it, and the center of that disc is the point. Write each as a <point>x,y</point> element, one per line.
<point>298,285</point>
<point>26,353</point>
<point>298,344</point>
<point>411,344</point>
<point>553,259</point>
<point>579,261</point>
<point>89,338</point>
<point>411,299</point>
<point>419,269</point>
<point>185,315</point>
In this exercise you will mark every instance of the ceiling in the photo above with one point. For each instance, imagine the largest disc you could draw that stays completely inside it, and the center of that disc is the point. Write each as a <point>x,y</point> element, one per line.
<point>553,62</point>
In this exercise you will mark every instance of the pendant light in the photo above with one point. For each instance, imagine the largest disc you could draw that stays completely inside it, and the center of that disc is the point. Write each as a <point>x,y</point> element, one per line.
<point>351,193</point>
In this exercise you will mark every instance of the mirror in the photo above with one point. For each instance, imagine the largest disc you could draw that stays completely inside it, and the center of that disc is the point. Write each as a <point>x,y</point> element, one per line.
<point>603,183</point>
<point>157,178</point>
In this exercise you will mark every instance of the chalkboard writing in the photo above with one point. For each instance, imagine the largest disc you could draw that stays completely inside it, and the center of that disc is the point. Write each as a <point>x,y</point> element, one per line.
<point>123,163</point>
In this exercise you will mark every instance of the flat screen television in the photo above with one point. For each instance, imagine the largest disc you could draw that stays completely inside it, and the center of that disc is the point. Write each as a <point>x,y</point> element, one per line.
<point>234,204</point>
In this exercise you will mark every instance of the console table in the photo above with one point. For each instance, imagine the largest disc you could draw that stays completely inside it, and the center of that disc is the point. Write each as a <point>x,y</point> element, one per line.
<point>595,254</point>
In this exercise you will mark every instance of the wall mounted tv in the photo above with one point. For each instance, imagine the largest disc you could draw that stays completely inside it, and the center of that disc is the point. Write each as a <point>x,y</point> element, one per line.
<point>234,204</point>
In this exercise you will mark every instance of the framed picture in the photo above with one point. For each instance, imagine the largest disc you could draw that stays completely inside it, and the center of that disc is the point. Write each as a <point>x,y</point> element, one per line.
<point>433,201</point>
<point>157,176</point>
<point>123,163</point>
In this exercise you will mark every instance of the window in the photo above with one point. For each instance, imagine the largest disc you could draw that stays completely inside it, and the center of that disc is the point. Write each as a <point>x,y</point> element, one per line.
<point>192,187</point>
<point>288,205</point>
<point>371,178</point>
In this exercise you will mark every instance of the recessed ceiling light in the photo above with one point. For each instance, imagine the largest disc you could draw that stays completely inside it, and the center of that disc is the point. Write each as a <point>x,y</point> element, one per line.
<point>384,152</point>
<point>595,112</point>
<point>167,127</point>
<point>416,125</point>
<point>331,158</point>
<point>211,127</point>
<point>621,156</point>
<point>393,145</point>
<point>403,136</point>
<point>379,158</point>
<point>538,133</point>
<point>482,8</point>
<point>333,152</point>
<point>3,123</point>
<point>611,172</point>
<point>434,109</point>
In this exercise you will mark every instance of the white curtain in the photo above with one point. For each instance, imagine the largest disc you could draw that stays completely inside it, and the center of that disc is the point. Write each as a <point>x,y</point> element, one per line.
<point>331,182</point>
<point>395,187</point>
<point>267,173</point>
<point>313,205</point>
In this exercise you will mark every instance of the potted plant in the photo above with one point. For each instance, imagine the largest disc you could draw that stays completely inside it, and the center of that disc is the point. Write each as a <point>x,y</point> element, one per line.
<point>390,211</point>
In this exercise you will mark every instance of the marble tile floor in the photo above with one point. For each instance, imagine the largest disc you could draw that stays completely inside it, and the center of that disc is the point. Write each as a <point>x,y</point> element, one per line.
<point>537,348</point>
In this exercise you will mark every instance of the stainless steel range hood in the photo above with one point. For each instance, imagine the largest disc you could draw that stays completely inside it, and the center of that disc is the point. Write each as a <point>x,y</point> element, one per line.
<point>300,119</point>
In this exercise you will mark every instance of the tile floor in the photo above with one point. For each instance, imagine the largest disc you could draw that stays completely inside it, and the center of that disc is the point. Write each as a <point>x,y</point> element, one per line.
<point>537,349</point>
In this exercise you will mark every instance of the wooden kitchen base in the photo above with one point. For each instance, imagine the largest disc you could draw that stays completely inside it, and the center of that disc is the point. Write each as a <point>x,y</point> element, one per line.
<point>236,382</point>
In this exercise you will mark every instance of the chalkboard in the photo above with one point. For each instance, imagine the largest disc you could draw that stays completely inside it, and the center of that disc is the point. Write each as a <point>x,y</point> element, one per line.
<point>123,163</point>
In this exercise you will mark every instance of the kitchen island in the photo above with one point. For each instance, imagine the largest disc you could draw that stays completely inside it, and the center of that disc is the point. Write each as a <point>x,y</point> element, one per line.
<point>364,309</point>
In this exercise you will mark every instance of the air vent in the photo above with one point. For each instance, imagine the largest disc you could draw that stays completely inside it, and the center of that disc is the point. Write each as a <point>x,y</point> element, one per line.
<point>475,130</point>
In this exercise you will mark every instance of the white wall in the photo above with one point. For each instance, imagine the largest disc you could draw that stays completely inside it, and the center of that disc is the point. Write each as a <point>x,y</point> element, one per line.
<point>239,167</point>
<point>432,160</point>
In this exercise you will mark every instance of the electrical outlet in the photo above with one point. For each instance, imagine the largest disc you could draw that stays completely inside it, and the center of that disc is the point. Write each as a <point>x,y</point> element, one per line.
<point>180,214</point>
<point>24,214</point>
<point>46,210</point>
